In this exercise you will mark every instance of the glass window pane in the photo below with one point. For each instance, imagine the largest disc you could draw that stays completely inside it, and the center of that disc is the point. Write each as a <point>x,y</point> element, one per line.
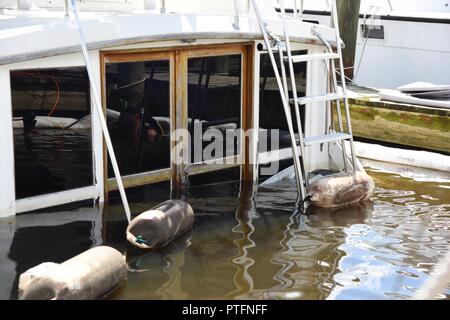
<point>52,130</point>
<point>271,113</point>
<point>214,106</point>
<point>138,109</point>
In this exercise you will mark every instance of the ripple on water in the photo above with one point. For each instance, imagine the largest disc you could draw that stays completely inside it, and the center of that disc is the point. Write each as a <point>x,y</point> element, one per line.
<point>260,248</point>
<point>396,251</point>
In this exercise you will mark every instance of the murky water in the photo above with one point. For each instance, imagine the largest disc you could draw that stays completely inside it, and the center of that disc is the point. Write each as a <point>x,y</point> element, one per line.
<point>52,160</point>
<point>256,246</point>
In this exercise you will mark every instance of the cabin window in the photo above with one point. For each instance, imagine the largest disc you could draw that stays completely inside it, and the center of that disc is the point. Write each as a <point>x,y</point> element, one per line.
<point>52,130</point>
<point>272,120</point>
<point>138,113</point>
<point>214,107</point>
<point>372,31</point>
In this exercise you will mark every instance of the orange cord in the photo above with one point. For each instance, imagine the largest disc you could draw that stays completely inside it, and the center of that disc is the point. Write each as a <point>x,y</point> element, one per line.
<point>58,90</point>
<point>57,98</point>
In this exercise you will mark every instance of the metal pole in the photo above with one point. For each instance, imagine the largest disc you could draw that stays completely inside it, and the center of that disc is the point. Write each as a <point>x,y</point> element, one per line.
<point>236,15</point>
<point>295,9</point>
<point>66,8</point>
<point>98,107</point>
<point>390,5</point>
<point>301,10</point>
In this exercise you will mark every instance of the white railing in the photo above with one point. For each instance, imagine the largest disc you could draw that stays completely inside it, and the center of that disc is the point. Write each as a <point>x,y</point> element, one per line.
<point>227,7</point>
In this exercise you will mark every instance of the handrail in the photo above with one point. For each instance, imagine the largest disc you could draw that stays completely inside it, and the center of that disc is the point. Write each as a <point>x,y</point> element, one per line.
<point>390,5</point>
<point>293,85</point>
<point>343,84</point>
<point>285,102</point>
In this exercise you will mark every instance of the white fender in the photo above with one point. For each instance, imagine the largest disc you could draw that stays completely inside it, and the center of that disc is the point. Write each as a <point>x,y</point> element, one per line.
<point>89,275</point>
<point>160,225</point>
<point>341,189</point>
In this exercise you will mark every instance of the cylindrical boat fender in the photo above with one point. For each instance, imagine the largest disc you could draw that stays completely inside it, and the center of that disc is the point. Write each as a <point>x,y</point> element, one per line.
<point>90,275</point>
<point>157,227</point>
<point>341,189</point>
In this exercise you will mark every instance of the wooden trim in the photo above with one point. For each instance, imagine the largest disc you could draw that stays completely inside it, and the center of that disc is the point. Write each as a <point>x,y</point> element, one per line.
<point>140,179</point>
<point>191,48</point>
<point>222,50</point>
<point>210,166</point>
<point>178,57</point>
<point>114,57</point>
<point>230,49</point>
<point>147,177</point>
<point>105,149</point>
<point>180,119</point>
<point>247,110</point>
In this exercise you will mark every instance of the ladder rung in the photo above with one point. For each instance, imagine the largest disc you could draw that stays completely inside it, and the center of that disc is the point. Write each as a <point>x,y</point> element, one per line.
<point>311,99</point>
<point>338,136</point>
<point>312,57</point>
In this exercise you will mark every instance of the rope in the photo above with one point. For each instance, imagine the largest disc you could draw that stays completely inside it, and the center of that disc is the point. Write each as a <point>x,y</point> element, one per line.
<point>130,84</point>
<point>301,205</point>
<point>58,91</point>
<point>365,43</point>
<point>141,240</point>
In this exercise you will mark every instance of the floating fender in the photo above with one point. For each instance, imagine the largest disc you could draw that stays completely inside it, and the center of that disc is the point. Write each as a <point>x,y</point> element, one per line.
<point>341,189</point>
<point>157,227</point>
<point>90,275</point>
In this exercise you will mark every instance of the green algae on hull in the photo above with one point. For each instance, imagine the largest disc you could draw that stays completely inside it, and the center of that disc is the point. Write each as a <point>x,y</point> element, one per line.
<point>416,126</point>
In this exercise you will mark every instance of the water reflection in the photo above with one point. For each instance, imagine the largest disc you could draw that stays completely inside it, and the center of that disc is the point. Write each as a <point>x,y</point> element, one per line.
<point>158,272</point>
<point>37,237</point>
<point>249,243</point>
<point>245,214</point>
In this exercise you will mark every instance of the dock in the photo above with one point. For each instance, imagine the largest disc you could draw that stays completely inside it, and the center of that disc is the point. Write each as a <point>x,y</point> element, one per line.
<point>404,124</point>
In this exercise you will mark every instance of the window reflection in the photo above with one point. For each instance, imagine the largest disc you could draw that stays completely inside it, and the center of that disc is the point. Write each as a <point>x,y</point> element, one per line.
<point>138,112</point>
<point>214,105</point>
<point>52,130</point>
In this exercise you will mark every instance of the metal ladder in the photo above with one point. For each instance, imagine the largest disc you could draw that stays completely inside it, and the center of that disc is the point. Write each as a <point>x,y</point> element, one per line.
<point>285,54</point>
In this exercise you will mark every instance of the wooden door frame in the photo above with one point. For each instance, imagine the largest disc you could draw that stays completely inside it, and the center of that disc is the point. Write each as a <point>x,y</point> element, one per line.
<point>178,57</point>
<point>245,50</point>
<point>147,177</point>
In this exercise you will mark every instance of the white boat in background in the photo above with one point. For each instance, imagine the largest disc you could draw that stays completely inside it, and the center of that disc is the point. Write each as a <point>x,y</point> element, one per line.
<point>408,41</point>
<point>416,99</point>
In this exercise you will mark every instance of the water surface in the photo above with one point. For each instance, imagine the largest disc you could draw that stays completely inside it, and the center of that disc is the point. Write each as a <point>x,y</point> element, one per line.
<point>256,245</point>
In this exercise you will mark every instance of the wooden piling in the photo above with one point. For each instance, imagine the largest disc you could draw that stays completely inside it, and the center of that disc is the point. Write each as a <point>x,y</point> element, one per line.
<point>348,15</point>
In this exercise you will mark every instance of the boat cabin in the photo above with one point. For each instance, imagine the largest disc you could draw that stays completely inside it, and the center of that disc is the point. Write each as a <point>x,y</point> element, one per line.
<point>175,78</point>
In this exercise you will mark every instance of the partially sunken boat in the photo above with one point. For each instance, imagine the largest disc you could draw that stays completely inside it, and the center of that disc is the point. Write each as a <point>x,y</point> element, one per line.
<point>169,74</point>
